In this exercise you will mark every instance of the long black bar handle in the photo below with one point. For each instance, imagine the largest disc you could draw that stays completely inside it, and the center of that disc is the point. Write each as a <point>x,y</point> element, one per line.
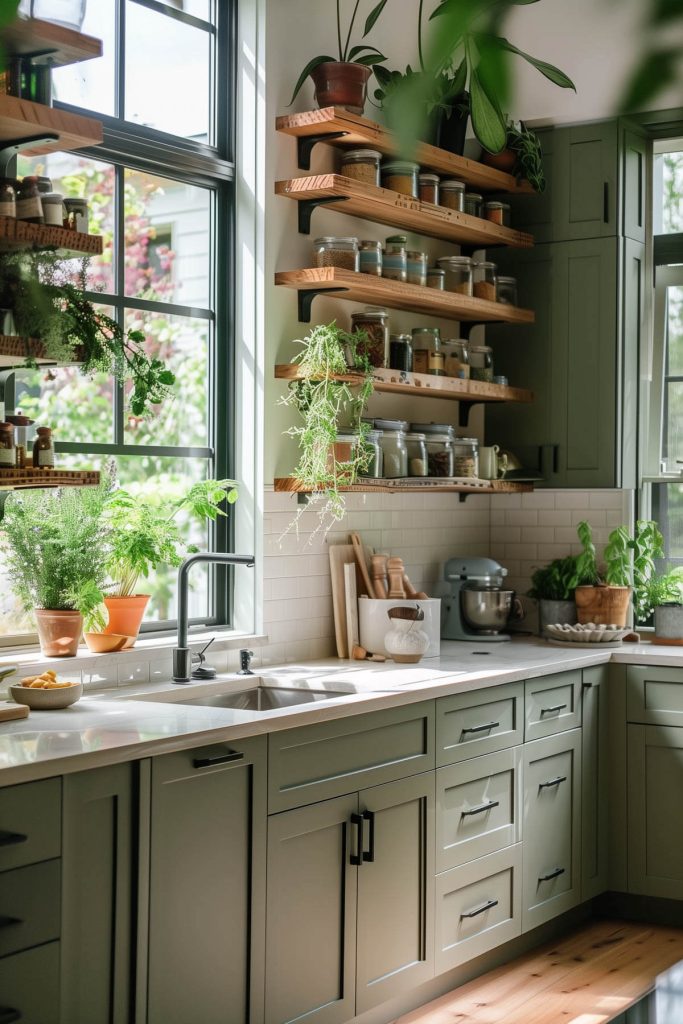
<point>8,922</point>
<point>357,822</point>
<point>481,728</point>
<point>553,874</point>
<point>369,854</point>
<point>553,782</point>
<point>210,762</point>
<point>12,838</point>
<point>554,710</point>
<point>8,1015</point>
<point>480,910</point>
<point>605,202</point>
<point>481,809</point>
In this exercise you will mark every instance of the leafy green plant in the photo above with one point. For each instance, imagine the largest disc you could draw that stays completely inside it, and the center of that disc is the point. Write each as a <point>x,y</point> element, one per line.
<point>629,560</point>
<point>555,581</point>
<point>359,54</point>
<point>666,588</point>
<point>586,563</point>
<point>526,146</point>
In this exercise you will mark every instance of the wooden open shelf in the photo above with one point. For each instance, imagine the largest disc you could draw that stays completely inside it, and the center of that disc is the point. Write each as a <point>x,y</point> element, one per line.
<point>359,131</point>
<point>14,351</point>
<point>423,385</point>
<point>50,44</point>
<point>22,120</point>
<point>19,234</point>
<point>413,485</point>
<point>377,291</point>
<point>386,207</point>
<point>22,479</point>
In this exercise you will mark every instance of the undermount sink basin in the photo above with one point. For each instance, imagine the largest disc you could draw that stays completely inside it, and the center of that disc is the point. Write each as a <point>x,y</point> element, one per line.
<point>263,698</point>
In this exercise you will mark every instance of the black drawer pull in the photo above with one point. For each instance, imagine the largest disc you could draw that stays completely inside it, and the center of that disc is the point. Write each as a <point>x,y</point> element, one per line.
<point>12,839</point>
<point>553,874</point>
<point>357,822</point>
<point>369,855</point>
<point>482,728</point>
<point>7,922</point>
<point>209,762</point>
<point>480,809</point>
<point>480,910</point>
<point>553,782</point>
<point>553,711</point>
<point>8,1015</point>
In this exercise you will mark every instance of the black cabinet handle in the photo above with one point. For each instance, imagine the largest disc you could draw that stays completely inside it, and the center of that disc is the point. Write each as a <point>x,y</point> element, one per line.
<point>480,910</point>
<point>209,762</point>
<point>605,202</point>
<point>553,782</point>
<point>12,839</point>
<point>8,1015</point>
<point>481,728</point>
<point>7,922</point>
<point>480,809</point>
<point>553,874</point>
<point>553,710</point>
<point>369,855</point>
<point>357,821</point>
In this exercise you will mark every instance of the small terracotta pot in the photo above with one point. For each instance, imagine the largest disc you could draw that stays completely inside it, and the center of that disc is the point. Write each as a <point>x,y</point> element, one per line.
<point>341,85</point>
<point>603,605</point>
<point>126,615</point>
<point>503,161</point>
<point>59,632</point>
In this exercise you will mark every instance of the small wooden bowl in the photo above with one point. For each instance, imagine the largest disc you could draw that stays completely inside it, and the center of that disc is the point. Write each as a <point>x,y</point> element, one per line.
<point>106,643</point>
<point>46,700</point>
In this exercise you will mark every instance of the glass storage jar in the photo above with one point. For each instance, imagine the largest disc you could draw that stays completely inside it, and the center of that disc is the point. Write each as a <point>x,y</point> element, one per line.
<point>439,444</point>
<point>417,267</point>
<point>370,257</point>
<point>8,455</point>
<point>436,278</point>
<point>395,259</point>
<point>485,280</point>
<point>473,203</point>
<point>453,194</point>
<point>43,449</point>
<point>417,454</point>
<point>53,209</point>
<point>8,197</point>
<point>375,464</point>
<point>29,205</point>
<point>361,165</point>
<point>395,454</point>
<point>427,354</point>
<point>457,358</point>
<point>481,362</point>
<point>401,352</point>
<point>498,213</point>
<point>336,252</point>
<point>466,456</point>
<point>401,176</point>
<point>429,188</point>
<point>375,323</point>
<point>506,291</point>
<point>76,215</point>
<point>458,270</point>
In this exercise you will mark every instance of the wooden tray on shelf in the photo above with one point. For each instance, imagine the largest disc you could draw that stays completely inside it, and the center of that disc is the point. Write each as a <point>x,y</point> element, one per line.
<point>291,485</point>
<point>19,234</point>
<point>22,479</point>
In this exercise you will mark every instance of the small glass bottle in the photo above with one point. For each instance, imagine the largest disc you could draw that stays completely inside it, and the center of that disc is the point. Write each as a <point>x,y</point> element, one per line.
<point>8,455</point>
<point>466,457</point>
<point>76,215</point>
<point>395,259</point>
<point>429,188</point>
<point>481,363</point>
<point>375,463</point>
<point>401,176</point>
<point>485,280</point>
<point>361,165</point>
<point>427,354</point>
<point>458,273</point>
<point>8,198</point>
<point>401,353</point>
<point>498,213</point>
<point>29,204</point>
<point>417,267</point>
<point>370,257</point>
<point>395,454</point>
<point>457,358</point>
<point>473,203</point>
<point>506,291</point>
<point>417,454</point>
<point>436,278</point>
<point>453,195</point>
<point>43,450</point>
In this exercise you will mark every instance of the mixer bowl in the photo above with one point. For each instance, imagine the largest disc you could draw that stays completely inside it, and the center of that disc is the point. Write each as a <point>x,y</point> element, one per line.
<point>487,609</point>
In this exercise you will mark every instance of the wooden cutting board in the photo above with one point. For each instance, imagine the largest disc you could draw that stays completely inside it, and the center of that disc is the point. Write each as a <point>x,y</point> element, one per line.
<point>351,595</point>
<point>10,712</point>
<point>340,555</point>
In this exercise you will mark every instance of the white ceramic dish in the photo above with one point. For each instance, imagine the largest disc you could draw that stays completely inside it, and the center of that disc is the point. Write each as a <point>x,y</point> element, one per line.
<point>46,700</point>
<point>587,634</point>
<point>607,645</point>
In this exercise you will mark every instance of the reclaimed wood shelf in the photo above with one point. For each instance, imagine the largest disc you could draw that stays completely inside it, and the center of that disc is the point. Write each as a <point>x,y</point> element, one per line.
<point>22,121</point>
<point>338,127</point>
<point>381,205</point>
<point>19,234</point>
<point>378,291</point>
<point>22,479</point>
<point>425,485</point>
<point>48,43</point>
<point>15,351</point>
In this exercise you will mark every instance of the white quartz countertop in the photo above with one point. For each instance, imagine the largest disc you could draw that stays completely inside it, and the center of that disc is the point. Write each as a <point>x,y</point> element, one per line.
<point>137,721</point>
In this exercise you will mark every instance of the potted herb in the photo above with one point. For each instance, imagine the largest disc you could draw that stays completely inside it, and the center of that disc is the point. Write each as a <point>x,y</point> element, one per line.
<point>553,586</point>
<point>665,596</point>
<point>343,82</point>
<point>522,156</point>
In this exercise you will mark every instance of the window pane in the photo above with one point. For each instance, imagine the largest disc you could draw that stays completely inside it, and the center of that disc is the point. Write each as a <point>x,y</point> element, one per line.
<point>91,83</point>
<point>198,8</point>
<point>79,409</point>
<point>168,69</point>
<point>674,297</point>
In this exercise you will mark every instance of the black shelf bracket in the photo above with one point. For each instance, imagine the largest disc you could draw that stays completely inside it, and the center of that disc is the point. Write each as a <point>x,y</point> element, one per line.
<point>465,407</point>
<point>306,143</point>
<point>305,300</point>
<point>307,206</point>
<point>10,149</point>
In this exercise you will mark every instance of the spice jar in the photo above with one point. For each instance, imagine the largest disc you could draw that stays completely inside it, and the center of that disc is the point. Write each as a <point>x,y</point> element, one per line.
<point>8,458</point>
<point>473,203</point>
<point>458,271</point>
<point>417,267</point>
<point>485,280</point>
<point>466,457</point>
<point>417,454</point>
<point>439,445</point>
<point>436,278</point>
<point>453,194</point>
<point>506,291</point>
<point>427,354</point>
<point>361,165</point>
<point>401,352</point>
<point>498,213</point>
<point>53,208</point>
<point>43,451</point>
<point>456,358</point>
<point>429,188</point>
<point>76,215</point>
<point>373,449</point>
<point>336,252</point>
<point>8,197</point>
<point>395,259</point>
<point>395,453</point>
<point>29,206</point>
<point>481,362</point>
<point>370,258</point>
<point>22,425</point>
<point>375,323</point>
<point>401,176</point>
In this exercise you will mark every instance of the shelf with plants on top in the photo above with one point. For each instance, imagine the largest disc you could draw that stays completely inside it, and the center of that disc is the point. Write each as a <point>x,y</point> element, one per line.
<point>20,234</point>
<point>28,478</point>
<point>411,485</point>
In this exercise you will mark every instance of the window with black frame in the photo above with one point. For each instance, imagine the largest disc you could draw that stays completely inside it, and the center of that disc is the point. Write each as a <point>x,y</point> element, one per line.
<point>160,192</point>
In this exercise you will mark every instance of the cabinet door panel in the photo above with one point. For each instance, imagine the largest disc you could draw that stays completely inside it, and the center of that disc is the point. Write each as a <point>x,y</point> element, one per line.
<point>29,985</point>
<point>311,914</point>
<point>471,724</point>
<point>636,150</point>
<point>594,783</point>
<point>396,890</point>
<point>29,906</point>
<point>30,823</point>
<point>585,181</point>
<point>552,704</point>
<point>655,818</point>
<point>633,328</point>
<point>654,695</point>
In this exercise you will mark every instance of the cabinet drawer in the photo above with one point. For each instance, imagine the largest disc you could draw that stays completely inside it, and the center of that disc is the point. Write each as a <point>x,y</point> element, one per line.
<point>29,986</point>
<point>30,823</point>
<point>478,907</point>
<point>477,805</point>
<point>654,695</point>
<point>470,724</point>
<point>317,762</point>
<point>552,704</point>
<point>29,906</point>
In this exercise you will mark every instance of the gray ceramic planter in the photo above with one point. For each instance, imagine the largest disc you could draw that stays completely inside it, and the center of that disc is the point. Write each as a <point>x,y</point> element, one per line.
<point>550,612</point>
<point>669,622</point>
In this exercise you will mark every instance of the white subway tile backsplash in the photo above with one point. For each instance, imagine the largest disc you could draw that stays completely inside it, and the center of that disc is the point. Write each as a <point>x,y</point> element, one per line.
<point>555,517</point>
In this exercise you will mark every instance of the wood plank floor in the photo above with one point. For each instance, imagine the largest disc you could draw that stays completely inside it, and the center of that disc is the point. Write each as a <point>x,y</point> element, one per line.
<point>592,975</point>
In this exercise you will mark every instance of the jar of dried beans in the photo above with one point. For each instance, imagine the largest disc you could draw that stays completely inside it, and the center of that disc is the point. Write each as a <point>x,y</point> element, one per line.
<point>401,176</point>
<point>337,252</point>
<point>453,194</point>
<point>429,188</point>
<point>362,165</point>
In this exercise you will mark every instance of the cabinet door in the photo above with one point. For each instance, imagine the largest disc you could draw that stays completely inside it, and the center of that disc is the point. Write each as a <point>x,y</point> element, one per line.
<point>311,913</point>
<point>636,151</point>
<point>655,815</point>
<point>552,704</point>
<point>584,185</point>
<point>633,328</point>
<point>395,890</point>
<point>97,871</point>
<point>205,869</point>
<point>29,986</point>
<point>551,830</point>
<point>594,783</point>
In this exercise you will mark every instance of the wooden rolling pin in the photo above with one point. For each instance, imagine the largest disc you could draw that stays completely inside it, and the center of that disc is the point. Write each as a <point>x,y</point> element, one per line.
<point>379,576</point>
<point>395,572</point>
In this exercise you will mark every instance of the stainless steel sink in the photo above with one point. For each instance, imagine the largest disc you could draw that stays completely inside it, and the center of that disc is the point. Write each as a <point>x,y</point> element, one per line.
<point>263,698</point>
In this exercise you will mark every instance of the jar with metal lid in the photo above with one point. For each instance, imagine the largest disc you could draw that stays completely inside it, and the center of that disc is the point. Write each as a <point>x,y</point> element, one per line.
<point>473,203</point>
<point>395,453</point>
<point>22,428</point>
<point>44,184</point>
<point>362,165</point>
<point>394,425</point>
<point>336,252</point>
<point>43,450</point>
<point>498,213</point>
<point>417,454</point>
<point>375,324</point>
<point>76,215</point>
<point>401,176</point>
<point>401,352</point>
<point>457,358</point>
<point>8,455</point>
<point>395,259</point>
<point>370,257</point>
<point>53,208</point>
<point>485,280</point>
<point>374,467</point>
<point>439,455</point>
<point>8,197</point>
<point>29,204</point>
<point>417,267</point>
<point>481,362</point>
<point>506,290</point>
<point>466,456</point>
<point>453,194</point>
<point>436,278</point>
<point>429,188</point>
<point>458,271</point>
<point>427,354</point>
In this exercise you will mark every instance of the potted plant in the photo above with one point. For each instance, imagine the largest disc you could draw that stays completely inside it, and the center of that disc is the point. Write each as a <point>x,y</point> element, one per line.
<point>665,598</point>
<point>553,586</point>
<point>522,156</point>
<point>343,82</point>
<point>629,568</point>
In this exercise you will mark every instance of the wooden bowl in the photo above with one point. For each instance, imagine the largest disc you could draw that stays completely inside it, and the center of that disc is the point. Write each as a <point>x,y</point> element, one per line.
<point>107,643</point>
<point>46,700</point>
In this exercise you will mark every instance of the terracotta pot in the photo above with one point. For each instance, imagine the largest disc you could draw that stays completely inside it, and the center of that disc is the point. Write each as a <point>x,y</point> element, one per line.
<point>503,161</point>
<point>603,605</point>
<point>59,632</point>
<point>341,85</point>
<point>126,615</point>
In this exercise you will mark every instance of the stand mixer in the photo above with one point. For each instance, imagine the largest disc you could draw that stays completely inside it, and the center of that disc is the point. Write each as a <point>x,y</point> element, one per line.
<point>478,607</point>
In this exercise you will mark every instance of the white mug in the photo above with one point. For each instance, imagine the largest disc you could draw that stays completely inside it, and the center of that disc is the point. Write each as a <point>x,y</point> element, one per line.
<point>492,466</point>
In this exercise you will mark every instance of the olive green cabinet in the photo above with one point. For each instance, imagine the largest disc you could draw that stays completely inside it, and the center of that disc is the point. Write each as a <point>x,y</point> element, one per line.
<point>29,986</point>
<point>595,809</point>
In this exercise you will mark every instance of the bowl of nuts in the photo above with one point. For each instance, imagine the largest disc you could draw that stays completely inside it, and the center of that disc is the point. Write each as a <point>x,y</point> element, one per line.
<point>45,692</point>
